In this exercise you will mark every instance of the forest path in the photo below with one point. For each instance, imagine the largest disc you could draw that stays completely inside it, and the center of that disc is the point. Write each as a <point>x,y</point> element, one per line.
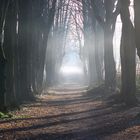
<point>79,116</point>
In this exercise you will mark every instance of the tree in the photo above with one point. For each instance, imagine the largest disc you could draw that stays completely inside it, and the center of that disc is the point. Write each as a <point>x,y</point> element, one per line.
<point>24,29</point>
<point>128,55</point>
<point>10,46</point>
<point>106,17</point>
<point>3,11</point>
<point>137,24</point>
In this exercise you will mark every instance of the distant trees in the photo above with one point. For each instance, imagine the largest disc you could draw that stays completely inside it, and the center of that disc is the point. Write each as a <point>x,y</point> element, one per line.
<point>100,17</point>
<point>57,41</point>
<point>90,45</point>
<point>106,14</point>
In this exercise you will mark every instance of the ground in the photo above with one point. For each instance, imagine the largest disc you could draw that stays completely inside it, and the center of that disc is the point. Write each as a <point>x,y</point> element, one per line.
<point>73,115</point>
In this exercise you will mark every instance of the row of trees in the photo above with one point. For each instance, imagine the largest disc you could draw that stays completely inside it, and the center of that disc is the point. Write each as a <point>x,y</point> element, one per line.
<point>105,14</point>
<point>24,31</point>
<point>34,34</point>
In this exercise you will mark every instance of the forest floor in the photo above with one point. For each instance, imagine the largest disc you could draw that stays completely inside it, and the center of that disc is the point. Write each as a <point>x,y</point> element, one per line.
<point>73,115</point>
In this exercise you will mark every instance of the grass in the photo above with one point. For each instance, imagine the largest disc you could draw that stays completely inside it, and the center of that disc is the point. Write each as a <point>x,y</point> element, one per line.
<point>5,115</point>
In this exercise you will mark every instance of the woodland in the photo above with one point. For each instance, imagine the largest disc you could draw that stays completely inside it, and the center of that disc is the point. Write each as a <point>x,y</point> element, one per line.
<point>44,98</point>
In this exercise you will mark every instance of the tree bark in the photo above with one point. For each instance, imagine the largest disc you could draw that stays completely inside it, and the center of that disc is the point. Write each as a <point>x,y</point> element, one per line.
<point>109,62</point>
<point>137,25</point>
<point>128,55</point>
<point>3,11</point>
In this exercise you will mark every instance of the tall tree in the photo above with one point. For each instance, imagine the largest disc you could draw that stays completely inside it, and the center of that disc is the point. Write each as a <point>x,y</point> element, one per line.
<point>48,18</point>
<point>10,43</point>
<point>106,16</point>
<point>3,11</point>
<point>128,55</point>
<point>137,24</point>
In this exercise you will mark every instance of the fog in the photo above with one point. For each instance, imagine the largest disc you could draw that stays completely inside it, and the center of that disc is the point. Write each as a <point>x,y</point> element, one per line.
<point>69,69</point>
<point>74,57</point>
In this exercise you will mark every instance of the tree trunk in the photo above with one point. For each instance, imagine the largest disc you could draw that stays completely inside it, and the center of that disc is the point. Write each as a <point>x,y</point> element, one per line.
<point>2,79</point>
<point>24,47</point>
<point>3,5</point>
<point>137,24</point>
<point>9,44</point>
<point>128,55</point>
<point>109,62</point>
<point>99,50</point>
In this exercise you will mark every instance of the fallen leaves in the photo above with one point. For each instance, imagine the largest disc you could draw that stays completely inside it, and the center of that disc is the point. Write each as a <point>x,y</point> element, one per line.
<point>71,117</point>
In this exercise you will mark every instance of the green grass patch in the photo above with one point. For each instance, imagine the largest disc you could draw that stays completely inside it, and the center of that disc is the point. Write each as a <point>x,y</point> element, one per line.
<point>5,115</point>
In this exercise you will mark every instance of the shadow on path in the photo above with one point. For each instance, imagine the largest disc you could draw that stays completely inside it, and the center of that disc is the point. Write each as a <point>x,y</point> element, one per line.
<point>59,117</point>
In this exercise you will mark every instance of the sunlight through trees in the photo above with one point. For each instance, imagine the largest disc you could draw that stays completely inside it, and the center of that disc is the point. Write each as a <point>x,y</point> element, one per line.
<point>38,36</point>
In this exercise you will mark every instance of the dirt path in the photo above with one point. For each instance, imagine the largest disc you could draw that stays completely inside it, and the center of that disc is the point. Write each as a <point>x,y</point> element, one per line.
<point>78,116</point>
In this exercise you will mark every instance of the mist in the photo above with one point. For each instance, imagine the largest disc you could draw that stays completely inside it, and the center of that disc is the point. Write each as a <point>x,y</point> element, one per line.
<point>69,69</point>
